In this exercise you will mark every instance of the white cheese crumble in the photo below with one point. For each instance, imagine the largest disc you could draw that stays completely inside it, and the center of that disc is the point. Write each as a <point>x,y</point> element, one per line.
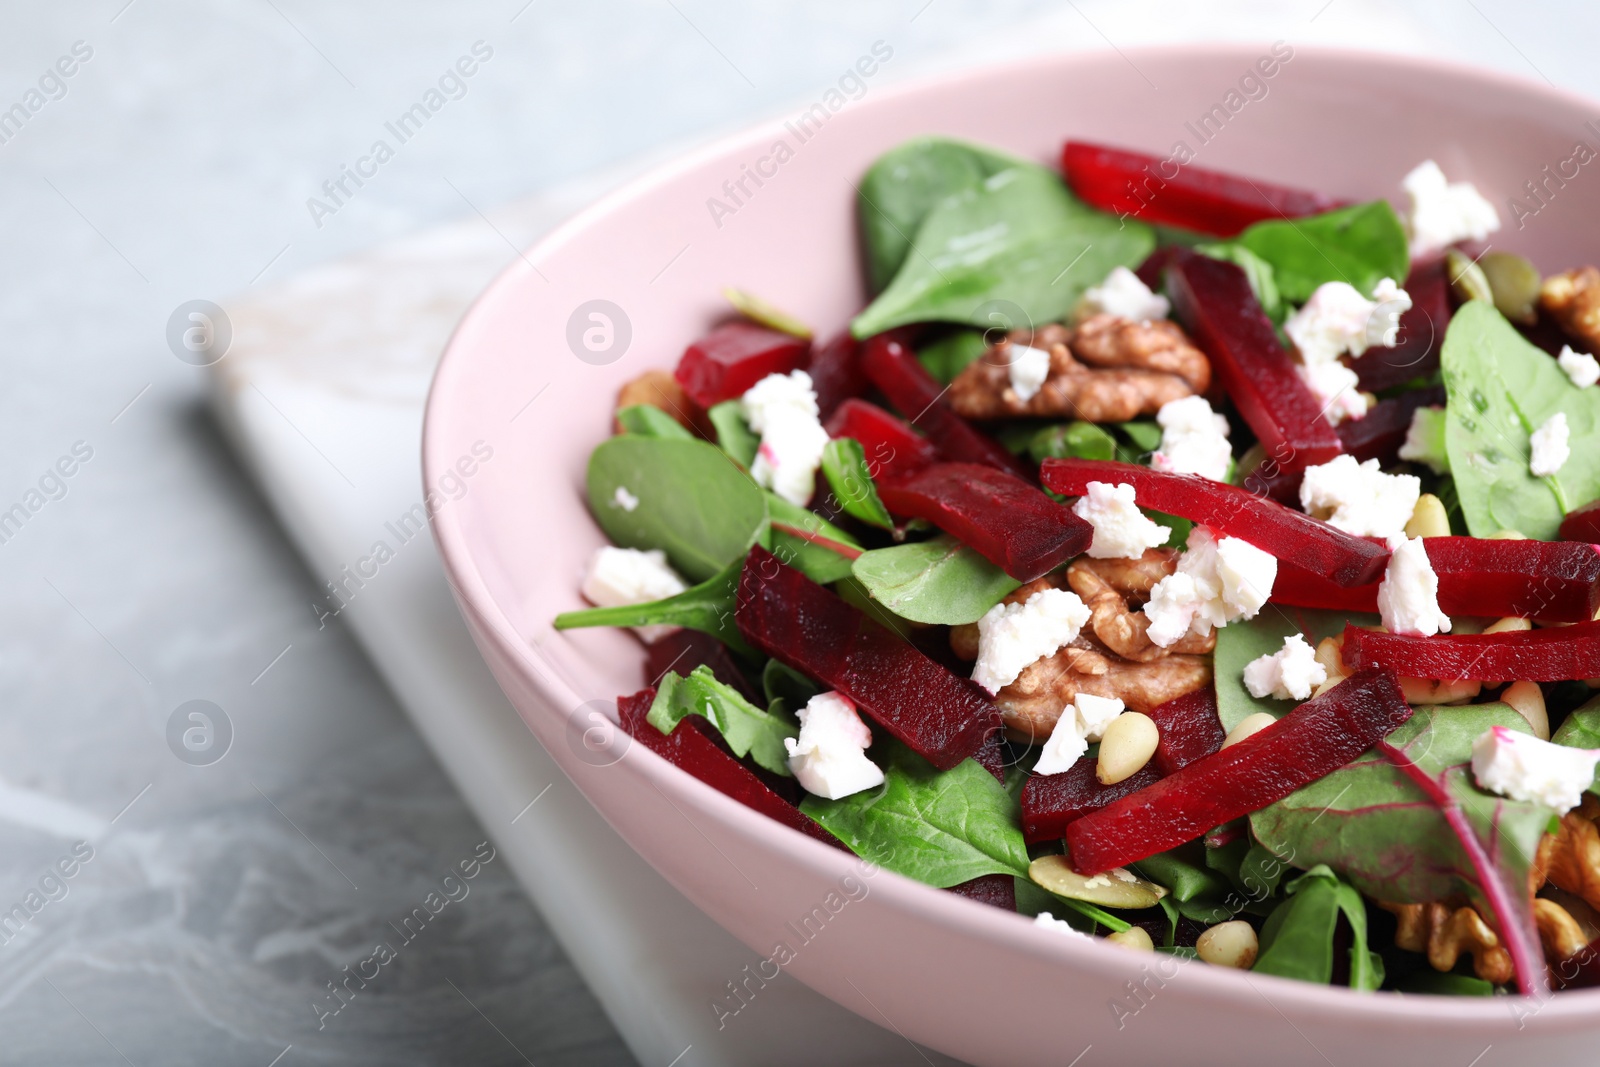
<point>1522,767</point>
<point>621,577</point>
<point>1444,212</point>
<point>1121,530</point>
<point>1408,596</point>
<point>1095,714</point>
<point>1050,922</point>
<point>1124,295</point>
<point>1079,723</point>
<point>1339,321</point>
<point>1359,498</point>
<point>1549,450</point>
<point>1581,367</point>
<point>829,757</point>
<point>1291,673</point>
<point>1337,389</point>
<point>624,499</point>
<point>1011,636</point>
<point>1029,368</point>
<point>782,408</point>
<point>1217,581</point>
<point>1194,440</point>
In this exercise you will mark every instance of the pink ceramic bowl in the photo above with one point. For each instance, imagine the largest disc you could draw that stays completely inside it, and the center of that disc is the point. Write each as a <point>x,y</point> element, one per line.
<point>963,978</point>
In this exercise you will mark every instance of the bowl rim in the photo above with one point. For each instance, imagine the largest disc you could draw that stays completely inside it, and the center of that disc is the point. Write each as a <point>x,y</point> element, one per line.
<point>1569,1011</point>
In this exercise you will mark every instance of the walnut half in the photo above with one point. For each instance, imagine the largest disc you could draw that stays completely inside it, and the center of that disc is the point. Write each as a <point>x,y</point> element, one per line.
<point>1573,300</point>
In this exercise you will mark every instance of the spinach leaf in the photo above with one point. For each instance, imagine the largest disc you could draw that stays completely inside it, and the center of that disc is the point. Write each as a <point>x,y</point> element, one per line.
<point>939,827</point>
<point>1361,244</point>
<point>1200,894</point>
<point>1432,449</point>
<point>647,420</point>
<point>952,353</point>
<point>1500,389</point>
<point>1020,237</point>
<point>818,562</point>
<point>707,607</point>
<point>749,730</point>
<point>733,436</point>
<point>1582,730</point>
<point>1259,273</point>
<point>904,184</point>
<point>937,581</point>
<point>694,503</point>
<point>1072,440</point>
<point>844,464</point>
<point>1427,980</point>
<point>779,681</point>
<point>1297,939</point>
<point>1240,642</point>
<point>1144,433</point>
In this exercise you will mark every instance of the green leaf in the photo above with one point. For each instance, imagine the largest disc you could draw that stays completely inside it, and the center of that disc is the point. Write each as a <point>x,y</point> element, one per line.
<point>952,353</point>
<point>733,436</point>
<point>1072,440</point>
<point>938,581</point>
<point>1263,282</point>
<point>904,184</point>
<point>939,827</point>
<point>1020,238</point>
<point>816,561</point>
<point>1297,939</point>
<point>647,420</point>
<point>749,730</point>
<point>1500,389</point>
<point>844,464</point>
<point>1247,639</point>
<point>779,681</point>
<point>694,503</point>
<point>1200,894</point>
<point>1381,832</point>
<point>1144,433</point>
<point>1361,244</point>
<point>1432,982</point>
<point>1582,730</point>
<point>707,607</point>
<point>1430,440</point>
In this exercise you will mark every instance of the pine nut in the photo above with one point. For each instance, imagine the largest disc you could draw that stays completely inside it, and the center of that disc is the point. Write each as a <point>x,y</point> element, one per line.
<point>1332,660</point>
<point>1134,937</point>
<point>1229,944</point>
<point>1507,535</point>
<point>1127,745</point>
<point>1428,518</point>
<point>1249,726</point>
<point>1422,691</point>
<point>1527,700</point>
<point>1509,624</point>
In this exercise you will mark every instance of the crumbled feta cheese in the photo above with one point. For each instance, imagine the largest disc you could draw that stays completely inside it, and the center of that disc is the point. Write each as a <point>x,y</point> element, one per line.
<point>1121,530</point>
<point>1337,389</point>
<point>621,577</point>
<point>1582,368</point>
<point>1444,212</point>
<point>1338,320</point>
<point>1548,445</point>
<point>782,408</point>
<point>1011,636</point>
<point>1095,714</point>
<point>1408,597</point>
<point>1079,723</point>
<point>1522,767</point>
<point>1061,926</point>
<point>1424,441</point>
<point>829,757</point>
<point>1123,294</point>
<point>1194,440</point>
<point>1359,498</point>
<point>1291,673</point>
<point>1028,369</point>
<point>624,499</point>
<point>1217,581</point>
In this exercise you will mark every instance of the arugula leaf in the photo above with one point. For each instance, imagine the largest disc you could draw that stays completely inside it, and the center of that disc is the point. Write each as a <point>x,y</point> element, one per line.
<point>779,681</point>
<point>1072,440</point>
<point>952,353</point>
<point>694,504</point>
<point>1020,237</point>
<point>1501,389</point>
<point>1240,642</point>
<point>749,730</point>
<point>707,607</point>
<point>844,464</point>
<point>1361,244</point>
<point>1263,282</point>
<point>647,420</point>
<point>733,436</point>
<point>904,184</point>
<point>1297,939</point>
<point>816,561</point>
<point>939,827</point>
<point>937,581</point>
<point>1582,730</point>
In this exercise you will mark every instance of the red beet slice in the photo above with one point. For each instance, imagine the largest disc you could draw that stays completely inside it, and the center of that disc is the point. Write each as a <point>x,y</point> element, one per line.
<point>1157,190</point>
<point>733,357</point>
<point>1421,333</point>
<point>1233,512</point>
<point>836,373</point>
<point>1006,520</point>
<point>1189,730</point>
<point>1553,581</point>
<point>890,445</point>
<point>995,890</point>
<point>1583,524</point>
<point>1553,655</point>
<point>893,367</point>
<point>696,753</point>
<point>683,650</point>
<point>1313,740</point>
<point>1213,301</point>
<point>943,717</point>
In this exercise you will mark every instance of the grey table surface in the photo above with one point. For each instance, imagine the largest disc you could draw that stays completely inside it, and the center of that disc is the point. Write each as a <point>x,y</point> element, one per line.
<point>176,163</point>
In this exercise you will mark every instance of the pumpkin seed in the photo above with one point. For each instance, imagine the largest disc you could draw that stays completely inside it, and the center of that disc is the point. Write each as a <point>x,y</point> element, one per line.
<point>1114,889</point>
